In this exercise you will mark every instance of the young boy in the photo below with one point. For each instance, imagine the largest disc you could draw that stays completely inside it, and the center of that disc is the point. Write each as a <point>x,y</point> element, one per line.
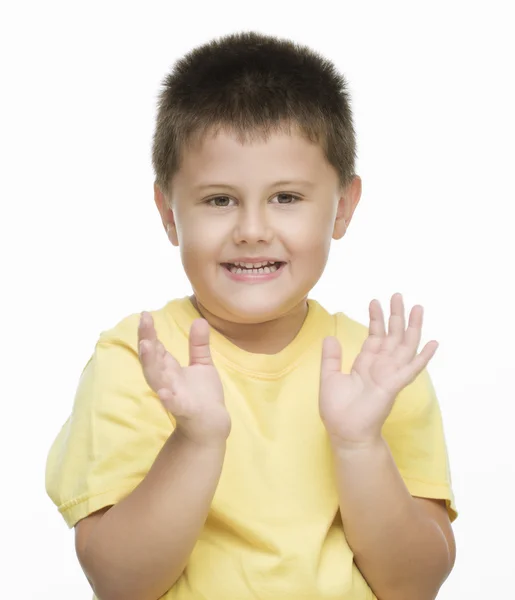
<point>243,443</point>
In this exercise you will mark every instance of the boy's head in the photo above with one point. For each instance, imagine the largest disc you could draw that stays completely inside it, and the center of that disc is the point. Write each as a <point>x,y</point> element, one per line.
<point>254,154</point>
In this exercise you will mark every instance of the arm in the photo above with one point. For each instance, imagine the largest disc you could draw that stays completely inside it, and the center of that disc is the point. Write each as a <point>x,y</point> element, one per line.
<point>138,548</point>
<point>403,546</point>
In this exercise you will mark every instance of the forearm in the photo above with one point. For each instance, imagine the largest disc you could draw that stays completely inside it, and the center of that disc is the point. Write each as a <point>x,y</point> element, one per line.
<point>141,545</point>
<point>399,550</point>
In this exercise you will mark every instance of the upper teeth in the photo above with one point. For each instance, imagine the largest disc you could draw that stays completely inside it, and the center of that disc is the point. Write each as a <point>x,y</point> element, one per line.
<point>254,265</point>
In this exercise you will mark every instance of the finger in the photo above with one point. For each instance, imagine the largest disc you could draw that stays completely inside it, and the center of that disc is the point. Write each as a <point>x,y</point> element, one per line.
<point>147,339</point>
<point>409,373</point>
<point>159,370</point>
<point>406,351</point>
<point>150,364</point>
<point>149,358</point>
<point>154,358</point>
<point>149,344</point>
<point>200,353</point>
<point>414,331</point>
<point>396,323</point>
<point>146,329</point>
<point>161,362</point>
<point>331,357</point>
<point>376,327</point>
<point>368,354</point>
<point>160,350</point>
<point>171,364</point>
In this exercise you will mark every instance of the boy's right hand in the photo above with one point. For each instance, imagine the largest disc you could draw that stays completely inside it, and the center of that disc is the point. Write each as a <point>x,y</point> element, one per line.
<point>194,394</point>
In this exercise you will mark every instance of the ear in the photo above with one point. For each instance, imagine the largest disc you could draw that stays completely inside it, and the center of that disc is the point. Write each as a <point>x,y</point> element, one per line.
<point>167,216</point>
<point>347,203</point>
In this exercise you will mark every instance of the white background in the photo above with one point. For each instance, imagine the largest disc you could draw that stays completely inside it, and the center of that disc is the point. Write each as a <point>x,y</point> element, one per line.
<point>82,244</point>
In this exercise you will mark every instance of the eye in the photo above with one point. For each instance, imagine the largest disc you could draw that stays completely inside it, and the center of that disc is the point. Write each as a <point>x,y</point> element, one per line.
<point>214,201</point>
<point>224,201</point>
<point>284,198</point>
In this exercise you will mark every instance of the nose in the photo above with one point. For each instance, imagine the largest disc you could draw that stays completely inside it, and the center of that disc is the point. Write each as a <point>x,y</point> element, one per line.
<point>252,226</point>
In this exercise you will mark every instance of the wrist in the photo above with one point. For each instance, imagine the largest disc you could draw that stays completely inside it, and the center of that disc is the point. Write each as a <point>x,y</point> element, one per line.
<point>345,446</point>
<point>214,443</point>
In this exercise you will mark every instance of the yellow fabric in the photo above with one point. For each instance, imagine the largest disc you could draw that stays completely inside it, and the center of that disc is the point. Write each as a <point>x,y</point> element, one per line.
<point>274,529</point>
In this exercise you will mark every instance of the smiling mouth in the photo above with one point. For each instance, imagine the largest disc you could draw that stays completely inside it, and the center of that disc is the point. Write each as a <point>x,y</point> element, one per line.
<point>239,269</point>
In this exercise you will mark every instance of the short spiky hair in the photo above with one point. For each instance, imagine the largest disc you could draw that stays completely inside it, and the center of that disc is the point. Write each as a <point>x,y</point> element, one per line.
<point>251,85</point>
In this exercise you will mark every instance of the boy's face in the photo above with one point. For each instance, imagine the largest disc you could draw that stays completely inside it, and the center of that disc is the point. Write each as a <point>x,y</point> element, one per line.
<point>245,214</point>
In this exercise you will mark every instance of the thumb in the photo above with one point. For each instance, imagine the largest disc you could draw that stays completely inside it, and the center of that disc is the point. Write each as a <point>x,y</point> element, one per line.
<point>331,356</point>
<point>200,354</point>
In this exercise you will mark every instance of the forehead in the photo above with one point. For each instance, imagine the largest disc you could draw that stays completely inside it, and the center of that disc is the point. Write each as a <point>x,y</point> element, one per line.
<point>223,155</point>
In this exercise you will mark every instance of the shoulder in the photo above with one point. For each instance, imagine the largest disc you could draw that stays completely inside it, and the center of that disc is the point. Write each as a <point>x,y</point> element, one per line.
<point>351,334</point>
<point>125,331</point>
<point>349,331</point>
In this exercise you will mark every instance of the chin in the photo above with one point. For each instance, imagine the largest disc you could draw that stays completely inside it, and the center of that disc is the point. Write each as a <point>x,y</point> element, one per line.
<point>258,308</point>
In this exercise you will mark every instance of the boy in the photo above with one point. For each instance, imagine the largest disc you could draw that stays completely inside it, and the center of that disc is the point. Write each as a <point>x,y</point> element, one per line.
<point>243,442</point>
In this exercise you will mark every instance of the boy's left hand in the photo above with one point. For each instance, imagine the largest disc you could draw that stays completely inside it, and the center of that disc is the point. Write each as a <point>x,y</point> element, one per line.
<point>354,407</point>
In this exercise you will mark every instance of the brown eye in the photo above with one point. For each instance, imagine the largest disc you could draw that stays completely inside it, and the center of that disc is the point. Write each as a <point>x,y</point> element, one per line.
<point>287,198</point>
<point>215,201</point>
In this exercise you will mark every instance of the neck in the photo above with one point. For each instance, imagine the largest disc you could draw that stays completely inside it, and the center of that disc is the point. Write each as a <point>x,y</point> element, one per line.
<point>269,337</point>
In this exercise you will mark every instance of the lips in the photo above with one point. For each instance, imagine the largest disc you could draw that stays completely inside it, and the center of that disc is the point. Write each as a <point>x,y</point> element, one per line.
<point>269,272</point>
<point>253,263</point>
<point>253,268</point>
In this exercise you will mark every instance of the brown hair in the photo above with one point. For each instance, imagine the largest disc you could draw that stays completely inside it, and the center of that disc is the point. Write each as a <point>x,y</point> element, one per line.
<point>251,85</point>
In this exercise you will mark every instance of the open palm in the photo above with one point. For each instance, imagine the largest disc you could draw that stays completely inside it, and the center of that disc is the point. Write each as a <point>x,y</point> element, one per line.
<point>355,406</point>
<point>193,394</point>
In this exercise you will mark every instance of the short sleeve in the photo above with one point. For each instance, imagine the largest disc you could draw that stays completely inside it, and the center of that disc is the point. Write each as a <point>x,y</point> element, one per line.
<point>115,431</point>
<point>415,435</point>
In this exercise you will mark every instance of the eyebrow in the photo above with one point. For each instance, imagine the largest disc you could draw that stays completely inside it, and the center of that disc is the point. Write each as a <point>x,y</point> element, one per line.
<point>304,182</point>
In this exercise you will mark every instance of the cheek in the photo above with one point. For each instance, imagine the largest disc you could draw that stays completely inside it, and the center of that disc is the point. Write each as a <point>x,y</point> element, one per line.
<point>312,247</point>
<point>200,236</point>
<point>313,234</point>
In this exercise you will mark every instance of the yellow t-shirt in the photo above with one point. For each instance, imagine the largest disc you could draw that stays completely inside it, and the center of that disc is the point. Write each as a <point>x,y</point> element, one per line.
<point>274,530</point>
